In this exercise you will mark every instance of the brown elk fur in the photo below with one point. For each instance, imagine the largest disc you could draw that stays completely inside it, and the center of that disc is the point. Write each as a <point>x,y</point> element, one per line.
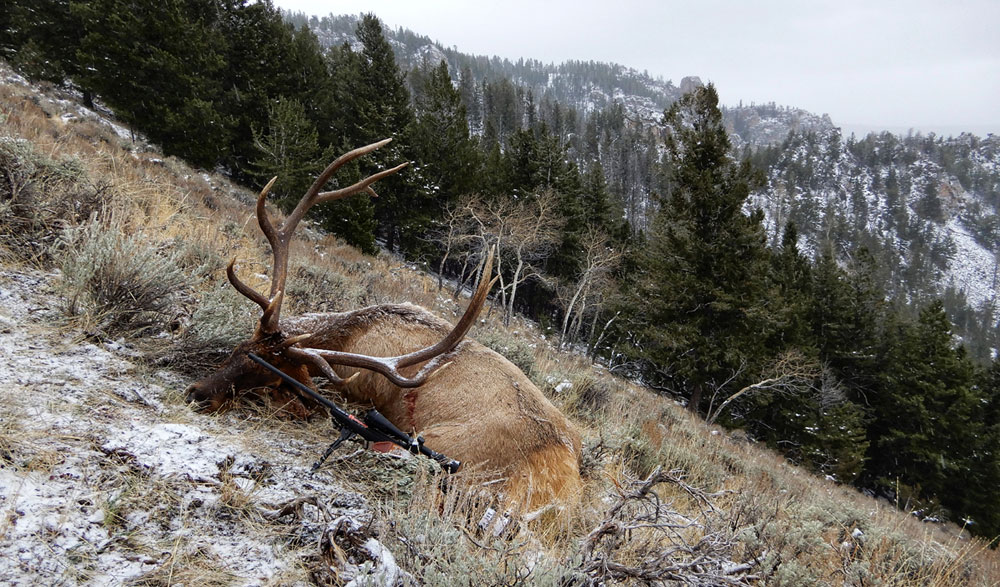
<point>481,409</point>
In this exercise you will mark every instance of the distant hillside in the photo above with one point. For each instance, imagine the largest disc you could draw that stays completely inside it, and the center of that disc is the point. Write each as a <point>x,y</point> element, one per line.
<point>927,207</point>
<point>584,86</point>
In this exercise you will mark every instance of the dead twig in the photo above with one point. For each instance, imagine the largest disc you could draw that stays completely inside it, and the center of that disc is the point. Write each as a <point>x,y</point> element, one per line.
<point>659,543</point>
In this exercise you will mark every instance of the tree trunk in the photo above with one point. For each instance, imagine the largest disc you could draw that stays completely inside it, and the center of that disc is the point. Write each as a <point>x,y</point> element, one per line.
<point>695,403</point>
<point>463,278</point>
<point>569,311</point>
<point>447,252</point>
<point>597,343</point>
<point>509,312</point>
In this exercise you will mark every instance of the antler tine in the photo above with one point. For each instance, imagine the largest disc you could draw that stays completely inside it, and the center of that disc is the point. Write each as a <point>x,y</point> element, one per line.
<point>265,226</point>
<point>359,186</point>
<point>464,324</point>
<point>310,198</point>
<point>263,220</point>
<point>280,237</point>
<point>245,289</point>
<point>389,366</point>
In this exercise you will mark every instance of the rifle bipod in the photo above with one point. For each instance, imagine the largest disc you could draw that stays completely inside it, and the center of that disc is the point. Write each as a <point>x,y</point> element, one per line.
<point>345,435</point>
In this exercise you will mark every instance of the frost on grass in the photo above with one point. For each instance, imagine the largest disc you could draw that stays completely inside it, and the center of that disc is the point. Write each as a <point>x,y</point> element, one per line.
<point>106,477</point>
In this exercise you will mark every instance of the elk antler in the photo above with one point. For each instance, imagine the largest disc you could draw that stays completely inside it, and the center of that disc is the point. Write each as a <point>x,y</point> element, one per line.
<point>389,366</point>
<point>280,237</point>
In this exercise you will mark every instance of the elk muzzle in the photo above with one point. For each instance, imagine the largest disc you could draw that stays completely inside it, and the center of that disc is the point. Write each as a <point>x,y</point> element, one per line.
<point>235,375</point>
<point>205,397</point>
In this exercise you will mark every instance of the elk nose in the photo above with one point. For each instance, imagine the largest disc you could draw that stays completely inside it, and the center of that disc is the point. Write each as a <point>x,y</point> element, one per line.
<point>195,393</point>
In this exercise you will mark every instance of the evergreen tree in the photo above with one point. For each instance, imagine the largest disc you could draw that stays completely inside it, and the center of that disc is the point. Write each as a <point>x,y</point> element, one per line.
<point>344,68</point>
<point>698,299</point>
<point>922,411</point>
<point>448,158</point>
<point>979,489</point>
<point>289,150</point>
<point>159,69</point>
<point>260,68</point>
<point>471,99</point>
<point>447,155</point>
<point>601,212</point>
<point>354,218</point>
<point>791,300</point>
<point>816,424</point>
<point>41,38</point>
<point>384,112</point>
<point>313,84</point>
<point>522,166</point>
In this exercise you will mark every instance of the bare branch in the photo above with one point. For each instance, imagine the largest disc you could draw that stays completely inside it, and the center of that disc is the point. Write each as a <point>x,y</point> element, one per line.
<point>791,373</point>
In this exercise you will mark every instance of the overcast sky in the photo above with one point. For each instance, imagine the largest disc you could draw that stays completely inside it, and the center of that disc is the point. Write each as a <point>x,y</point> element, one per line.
<point>931,65</point>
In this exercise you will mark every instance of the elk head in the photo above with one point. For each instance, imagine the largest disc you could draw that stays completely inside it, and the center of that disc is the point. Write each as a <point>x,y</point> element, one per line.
<point>291,353</point>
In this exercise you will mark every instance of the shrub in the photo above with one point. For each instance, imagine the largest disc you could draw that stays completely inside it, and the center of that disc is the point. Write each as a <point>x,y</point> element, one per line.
<point>39,196</point>
<point>590,396</point>
<point>121,283</point>
<point>513,349</point>
<point>222,319</point>
<point>445,550</point>
<point>315,289</point>
<point>201,260</point>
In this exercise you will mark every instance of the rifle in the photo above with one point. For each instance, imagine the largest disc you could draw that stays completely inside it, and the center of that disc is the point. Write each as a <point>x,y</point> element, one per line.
<point>374,428</point>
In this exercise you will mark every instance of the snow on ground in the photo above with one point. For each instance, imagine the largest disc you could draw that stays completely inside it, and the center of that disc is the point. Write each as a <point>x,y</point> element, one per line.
<point>106,477</point>
<point>973,268</point>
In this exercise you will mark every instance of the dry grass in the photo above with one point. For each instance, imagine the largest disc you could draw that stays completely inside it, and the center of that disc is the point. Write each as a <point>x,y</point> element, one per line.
<point>662,488</point>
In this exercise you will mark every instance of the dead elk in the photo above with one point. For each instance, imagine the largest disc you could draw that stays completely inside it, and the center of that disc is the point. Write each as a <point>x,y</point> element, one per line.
<point>481,409</point>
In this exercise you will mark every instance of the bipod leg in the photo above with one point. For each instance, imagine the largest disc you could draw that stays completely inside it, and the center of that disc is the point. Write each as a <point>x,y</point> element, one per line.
<point>345,434</point>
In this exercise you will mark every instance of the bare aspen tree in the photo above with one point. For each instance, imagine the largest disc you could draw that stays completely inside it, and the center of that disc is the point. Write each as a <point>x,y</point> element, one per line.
<point>525,230</point>
<point>599,260</point>
<point>452,235</point>
<point>532,232</point>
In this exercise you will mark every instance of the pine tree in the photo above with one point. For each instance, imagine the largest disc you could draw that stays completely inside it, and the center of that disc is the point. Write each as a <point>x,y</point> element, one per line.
<point>312,84</point>
<point>289,150</point>
<point>41,38</point>
<point>260,68</point>
<point>384,112</point>
<point>920,433</point>
<point>447,155</point>
<point>159,69</point>
<point>699,295</point>
<point>448,158</point>
<point>791,277</point>
<point>522,163</point>
<point>980,491</point>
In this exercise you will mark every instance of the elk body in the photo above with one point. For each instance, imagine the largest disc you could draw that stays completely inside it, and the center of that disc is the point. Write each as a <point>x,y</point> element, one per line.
<point>480,409</point>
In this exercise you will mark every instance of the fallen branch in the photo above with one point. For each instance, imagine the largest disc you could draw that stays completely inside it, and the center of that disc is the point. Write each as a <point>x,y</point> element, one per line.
<point>662,544</point>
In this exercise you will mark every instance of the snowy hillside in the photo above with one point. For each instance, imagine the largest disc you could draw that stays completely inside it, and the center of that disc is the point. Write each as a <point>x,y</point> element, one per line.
<point>926,207</point>
<point>586,87</point>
